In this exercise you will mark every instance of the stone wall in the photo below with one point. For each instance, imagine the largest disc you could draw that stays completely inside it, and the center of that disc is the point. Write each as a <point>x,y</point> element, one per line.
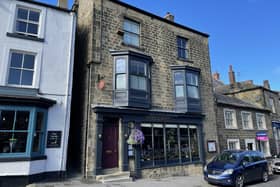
<point>98,25</point>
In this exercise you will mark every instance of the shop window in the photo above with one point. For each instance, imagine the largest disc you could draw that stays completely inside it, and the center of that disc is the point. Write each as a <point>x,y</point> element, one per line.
<point>169,144</point>
<point>233,144</point>
<point>186,90</point>
<point>132,79</point>
<point>21,131</point>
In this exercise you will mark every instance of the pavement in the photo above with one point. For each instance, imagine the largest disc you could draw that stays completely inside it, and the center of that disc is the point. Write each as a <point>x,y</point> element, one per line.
<point>180,181</point>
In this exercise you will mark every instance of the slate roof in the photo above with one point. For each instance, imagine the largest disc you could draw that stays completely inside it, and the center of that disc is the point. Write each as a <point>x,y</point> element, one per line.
<point>224,99</point>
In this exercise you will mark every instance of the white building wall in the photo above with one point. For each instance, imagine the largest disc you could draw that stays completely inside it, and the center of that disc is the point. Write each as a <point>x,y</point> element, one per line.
<point>53,76</point>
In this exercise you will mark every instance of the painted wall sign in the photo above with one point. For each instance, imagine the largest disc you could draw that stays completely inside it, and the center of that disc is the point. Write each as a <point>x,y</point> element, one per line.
<point>54,139</point>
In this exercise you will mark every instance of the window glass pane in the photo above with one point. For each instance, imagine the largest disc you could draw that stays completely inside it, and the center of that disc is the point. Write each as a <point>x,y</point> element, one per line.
<point>121,81</point>
<point>194,144</point>
<point>6,120</point>
<point>142,83</point>
<point>147,147</point>
<point>34,16</point>
<point>16,60</point>
<point>32,28</point>
<point>172,147</point>
<point>4,142</point>
<point>22,120</point>
<point>28,61</point>
<point>158,146</point>
<point>192,79</point>
<point>134,82</point>
<point>19,145</point>
<point>179,78</point>
<point>39,121</point>
<point>131,39</point>
<point>120,65</point>
<point>179,91</point>
<point>37,138</point>
<point>21,26</point>
<point>193,92</point>
<point>14,76</point>
<point>184,140</point>
<point>131,26</point>
<point>27,77</point>
<point>22,13</point>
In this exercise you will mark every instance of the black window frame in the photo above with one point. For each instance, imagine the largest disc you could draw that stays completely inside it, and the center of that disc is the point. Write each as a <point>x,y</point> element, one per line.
<point>186,103</point>
<point>129,96</point>
<point>182,48</point>
<point>128,32</point>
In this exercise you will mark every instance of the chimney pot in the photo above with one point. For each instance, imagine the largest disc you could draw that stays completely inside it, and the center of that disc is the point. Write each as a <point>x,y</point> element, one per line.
<point>169,16</point>
<point>62,4</point>
<point>216,76</point>
<point>266,84</point>
<point>231,75</point>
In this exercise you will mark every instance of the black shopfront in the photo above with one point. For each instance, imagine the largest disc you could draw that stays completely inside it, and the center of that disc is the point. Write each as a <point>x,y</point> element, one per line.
<point>171,138</point>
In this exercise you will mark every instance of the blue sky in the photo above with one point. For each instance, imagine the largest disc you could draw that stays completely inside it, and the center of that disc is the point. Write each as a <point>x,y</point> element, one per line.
<point>243,33</point>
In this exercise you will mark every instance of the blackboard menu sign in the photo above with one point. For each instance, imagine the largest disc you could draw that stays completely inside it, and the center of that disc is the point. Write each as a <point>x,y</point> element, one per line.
<point>54,139</point>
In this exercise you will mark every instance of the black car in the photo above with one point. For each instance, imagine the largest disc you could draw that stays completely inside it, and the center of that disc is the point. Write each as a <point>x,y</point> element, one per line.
<point>236,167</point>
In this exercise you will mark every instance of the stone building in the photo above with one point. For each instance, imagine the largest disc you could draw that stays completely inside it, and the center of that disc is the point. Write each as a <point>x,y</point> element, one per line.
<point>241,125</point>
<point>259,96</point>
<point>36,69</point>
<point>136,70</point>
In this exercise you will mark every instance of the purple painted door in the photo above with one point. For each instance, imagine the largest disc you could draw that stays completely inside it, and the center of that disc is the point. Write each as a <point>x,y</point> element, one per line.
<point>110,145</point>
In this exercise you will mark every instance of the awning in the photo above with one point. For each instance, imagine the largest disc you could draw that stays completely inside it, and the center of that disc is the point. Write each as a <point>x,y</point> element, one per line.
<point>276,124</point>
<point>261,136</point>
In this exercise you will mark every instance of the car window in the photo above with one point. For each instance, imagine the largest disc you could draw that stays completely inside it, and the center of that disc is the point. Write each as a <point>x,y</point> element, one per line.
<point>246,159</point>
<point>256,157</point>
<point>228,157</point>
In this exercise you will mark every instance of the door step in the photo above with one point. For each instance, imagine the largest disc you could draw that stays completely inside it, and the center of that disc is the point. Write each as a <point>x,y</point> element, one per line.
<point>114,177</point>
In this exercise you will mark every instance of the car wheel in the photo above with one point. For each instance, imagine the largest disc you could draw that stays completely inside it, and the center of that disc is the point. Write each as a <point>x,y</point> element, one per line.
<point>239,181</point>
<point>265,176</point>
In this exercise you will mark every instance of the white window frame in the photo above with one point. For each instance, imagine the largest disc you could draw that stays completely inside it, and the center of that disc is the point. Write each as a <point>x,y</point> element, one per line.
<point>34,68</point>
<point>234,121</point>
<point>264,121</point>
<point>233,140</point>
<point>250,140</point>
<point>272,105</point>
<point>250,122</point>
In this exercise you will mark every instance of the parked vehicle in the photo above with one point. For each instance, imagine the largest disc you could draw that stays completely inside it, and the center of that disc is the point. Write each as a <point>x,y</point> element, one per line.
<point>276,164</point>
<point>236,167</point>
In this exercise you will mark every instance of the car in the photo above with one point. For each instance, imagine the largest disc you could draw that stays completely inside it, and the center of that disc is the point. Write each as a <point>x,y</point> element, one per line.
<point>276,164</point>
<point>236,167</point>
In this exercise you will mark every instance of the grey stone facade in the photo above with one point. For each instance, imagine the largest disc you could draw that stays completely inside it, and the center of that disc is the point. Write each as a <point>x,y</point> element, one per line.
<point>100,25</point>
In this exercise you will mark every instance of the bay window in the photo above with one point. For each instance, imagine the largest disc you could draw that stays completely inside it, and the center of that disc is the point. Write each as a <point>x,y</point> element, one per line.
<point>132,79</point>
<point>186,89</point>
<point>22,131</point>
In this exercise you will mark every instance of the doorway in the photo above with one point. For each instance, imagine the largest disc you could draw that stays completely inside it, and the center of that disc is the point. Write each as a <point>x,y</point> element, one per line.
<point>110,140</point>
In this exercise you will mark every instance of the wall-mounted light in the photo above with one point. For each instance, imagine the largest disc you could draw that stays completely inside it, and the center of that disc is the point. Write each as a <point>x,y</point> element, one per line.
<point>99,136</point>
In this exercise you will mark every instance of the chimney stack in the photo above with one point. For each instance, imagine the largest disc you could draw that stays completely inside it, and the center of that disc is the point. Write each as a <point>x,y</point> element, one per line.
<point>62,4</point>
<point>169,16</point>
<point>231,75</point>
<point>216,76</point>
<point>266,84</point>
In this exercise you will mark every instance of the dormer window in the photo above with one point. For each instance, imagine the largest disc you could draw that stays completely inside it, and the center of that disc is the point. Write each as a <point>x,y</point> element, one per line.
<point>132,79</point>
<point>27,21</point>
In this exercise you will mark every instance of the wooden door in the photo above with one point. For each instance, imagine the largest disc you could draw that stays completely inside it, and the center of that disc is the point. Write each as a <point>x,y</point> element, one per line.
<point>110,145</point>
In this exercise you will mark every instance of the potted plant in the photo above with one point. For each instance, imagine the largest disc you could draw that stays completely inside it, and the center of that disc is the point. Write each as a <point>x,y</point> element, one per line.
<point>136,137</point>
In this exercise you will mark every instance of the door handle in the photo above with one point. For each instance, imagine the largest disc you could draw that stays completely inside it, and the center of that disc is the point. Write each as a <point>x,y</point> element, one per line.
<point>108,151</point>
